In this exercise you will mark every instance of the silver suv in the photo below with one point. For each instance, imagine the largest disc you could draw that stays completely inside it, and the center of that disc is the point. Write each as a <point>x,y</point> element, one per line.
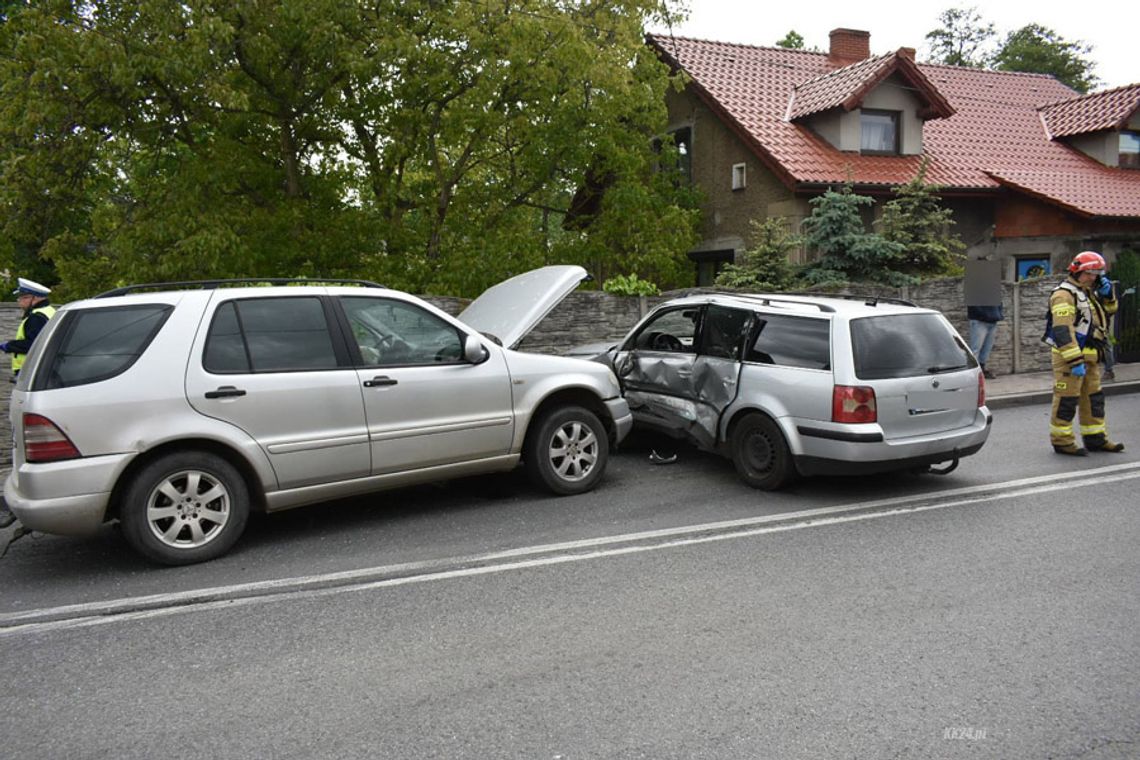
<point>177,411</point>
<point>791,385</point>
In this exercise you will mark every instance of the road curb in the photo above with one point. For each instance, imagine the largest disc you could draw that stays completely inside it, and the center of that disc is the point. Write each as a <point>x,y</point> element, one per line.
<point>1008,400</point>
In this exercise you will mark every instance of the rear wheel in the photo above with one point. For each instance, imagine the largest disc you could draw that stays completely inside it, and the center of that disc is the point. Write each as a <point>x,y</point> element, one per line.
<point>761,454</point>
<point>185,507</point>
<point>567,450</point>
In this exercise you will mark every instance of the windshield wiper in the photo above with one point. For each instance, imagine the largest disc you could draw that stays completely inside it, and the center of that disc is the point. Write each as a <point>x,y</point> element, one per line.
<point>936,369</point>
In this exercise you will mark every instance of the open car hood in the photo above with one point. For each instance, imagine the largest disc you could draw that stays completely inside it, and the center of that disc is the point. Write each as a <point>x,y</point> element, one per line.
<point>508,311</point>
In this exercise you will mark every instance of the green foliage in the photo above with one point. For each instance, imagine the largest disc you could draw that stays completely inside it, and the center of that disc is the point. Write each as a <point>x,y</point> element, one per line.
<point>793,40</point>
<point>764,266</point>
<point>433,146</point>
<point>630,285</point>
<point>1040,50</point>
<point>962,40</point>
<point>965,39</point>
<point>916,219</point>
<point>846,251</point>
<point>1126,269</point>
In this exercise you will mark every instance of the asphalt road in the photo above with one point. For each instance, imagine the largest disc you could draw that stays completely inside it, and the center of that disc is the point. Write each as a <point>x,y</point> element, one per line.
<point>672,613</point>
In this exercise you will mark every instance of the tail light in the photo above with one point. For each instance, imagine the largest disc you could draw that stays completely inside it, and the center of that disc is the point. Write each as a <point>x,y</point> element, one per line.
<point>981,389</point>
<point>853,403</point>
<point>44,442</point>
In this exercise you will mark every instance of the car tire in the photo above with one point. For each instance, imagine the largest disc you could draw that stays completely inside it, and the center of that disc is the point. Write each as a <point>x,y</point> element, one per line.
<point>761,454</point>
<point>184,507</point>
<point>567,450</point>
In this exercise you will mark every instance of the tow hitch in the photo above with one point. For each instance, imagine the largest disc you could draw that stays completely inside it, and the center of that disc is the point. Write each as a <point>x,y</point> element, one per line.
<point>943,470</point>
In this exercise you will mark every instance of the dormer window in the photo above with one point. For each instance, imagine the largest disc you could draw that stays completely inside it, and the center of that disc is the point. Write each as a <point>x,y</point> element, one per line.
<point>880,132</point>
<point>1129,150</point>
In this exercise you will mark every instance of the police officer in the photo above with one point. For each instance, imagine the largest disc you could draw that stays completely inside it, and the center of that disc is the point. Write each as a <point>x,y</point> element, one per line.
<point>1080,307</point>
<point>33,298</point>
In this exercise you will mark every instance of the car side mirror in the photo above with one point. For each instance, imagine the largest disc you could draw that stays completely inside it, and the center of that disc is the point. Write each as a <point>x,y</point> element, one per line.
<point>623,364</point>
<point>474,351</point>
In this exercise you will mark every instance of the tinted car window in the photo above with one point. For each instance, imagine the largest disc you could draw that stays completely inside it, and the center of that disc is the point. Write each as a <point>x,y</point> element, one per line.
<point>791,342</point>
<point>97,344</point>
<point>905,346</point>
<point>269,335</point>
<point>391,333</point>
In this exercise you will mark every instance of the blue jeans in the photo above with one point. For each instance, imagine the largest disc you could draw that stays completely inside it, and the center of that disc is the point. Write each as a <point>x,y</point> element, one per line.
<point>982,338</point>
<point>1109,357</point>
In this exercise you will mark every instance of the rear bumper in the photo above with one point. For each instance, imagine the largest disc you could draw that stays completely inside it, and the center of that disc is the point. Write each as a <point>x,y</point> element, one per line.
<point>861,455</point>
<point>67,498</point>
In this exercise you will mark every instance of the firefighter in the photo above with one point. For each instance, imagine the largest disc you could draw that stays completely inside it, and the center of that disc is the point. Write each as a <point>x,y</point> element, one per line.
<point>1079,309</point>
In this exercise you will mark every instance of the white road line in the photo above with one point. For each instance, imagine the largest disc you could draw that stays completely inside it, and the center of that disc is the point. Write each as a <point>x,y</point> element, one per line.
<point>305,587</point>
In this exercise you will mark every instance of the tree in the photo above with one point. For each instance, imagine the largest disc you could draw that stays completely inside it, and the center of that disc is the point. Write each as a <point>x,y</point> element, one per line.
<point>846,251</point>
<point>916,219</point>
<point>962,40</point>
<point>1037,49</point>
<point>792,40</point>
<point>765,265</point>
<point>430,145</point>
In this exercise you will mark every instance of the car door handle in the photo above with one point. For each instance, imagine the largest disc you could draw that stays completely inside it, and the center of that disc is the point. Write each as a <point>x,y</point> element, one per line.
<point>225,391</point>
<point>379,380</point>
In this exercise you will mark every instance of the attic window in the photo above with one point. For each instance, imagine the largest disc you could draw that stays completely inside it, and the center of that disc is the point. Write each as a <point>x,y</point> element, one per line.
<point>1129,150</point>
<point>739,176</point>
<point>880,132</point>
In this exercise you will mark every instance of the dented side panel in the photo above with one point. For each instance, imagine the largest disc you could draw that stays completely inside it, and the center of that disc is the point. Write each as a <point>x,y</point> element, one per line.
<point>681,394</point>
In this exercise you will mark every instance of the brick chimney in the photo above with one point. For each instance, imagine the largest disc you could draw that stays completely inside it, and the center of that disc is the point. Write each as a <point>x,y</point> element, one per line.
<point>849,46</point>
<point>906,52</point>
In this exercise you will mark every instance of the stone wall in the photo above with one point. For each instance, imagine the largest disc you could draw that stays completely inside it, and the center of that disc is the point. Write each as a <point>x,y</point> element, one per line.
<point>591,316</point>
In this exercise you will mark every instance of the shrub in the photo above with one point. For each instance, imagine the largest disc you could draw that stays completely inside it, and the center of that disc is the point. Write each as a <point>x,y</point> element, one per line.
<point>630,285</point>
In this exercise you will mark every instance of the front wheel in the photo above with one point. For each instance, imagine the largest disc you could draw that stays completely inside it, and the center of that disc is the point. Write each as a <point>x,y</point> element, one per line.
<point>185,507</point>
<point>761,454</point>
<point>567,450</point>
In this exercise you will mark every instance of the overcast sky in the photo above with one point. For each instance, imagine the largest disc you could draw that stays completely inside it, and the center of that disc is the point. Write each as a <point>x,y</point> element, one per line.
<point>1110,27</point>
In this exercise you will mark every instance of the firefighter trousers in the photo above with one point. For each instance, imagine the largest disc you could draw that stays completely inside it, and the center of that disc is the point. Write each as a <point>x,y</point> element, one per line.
<point>1077,394</point>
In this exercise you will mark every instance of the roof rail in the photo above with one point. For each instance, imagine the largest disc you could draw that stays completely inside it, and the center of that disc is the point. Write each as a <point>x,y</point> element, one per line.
<point>212,284</point>
<point>769,300</point>
<point>868,300</point>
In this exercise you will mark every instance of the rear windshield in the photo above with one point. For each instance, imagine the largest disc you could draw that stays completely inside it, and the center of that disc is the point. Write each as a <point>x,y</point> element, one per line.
<point>906,345</point>
<point>96,344</point>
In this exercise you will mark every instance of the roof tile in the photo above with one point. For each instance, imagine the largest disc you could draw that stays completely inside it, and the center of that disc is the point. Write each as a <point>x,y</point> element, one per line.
<point>995,137</point>
<point>1110,109</point>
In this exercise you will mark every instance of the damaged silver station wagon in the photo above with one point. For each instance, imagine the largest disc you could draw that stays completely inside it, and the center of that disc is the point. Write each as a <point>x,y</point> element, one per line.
<point>178,408</point>
<point>791,385</point>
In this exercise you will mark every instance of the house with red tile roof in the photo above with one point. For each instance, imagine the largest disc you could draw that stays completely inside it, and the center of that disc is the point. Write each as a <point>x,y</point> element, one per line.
<point>1033,171</point>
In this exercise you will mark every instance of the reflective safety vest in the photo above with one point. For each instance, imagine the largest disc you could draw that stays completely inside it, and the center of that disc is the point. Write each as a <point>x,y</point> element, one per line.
<point>18,359</point>
<point>1083,323</point>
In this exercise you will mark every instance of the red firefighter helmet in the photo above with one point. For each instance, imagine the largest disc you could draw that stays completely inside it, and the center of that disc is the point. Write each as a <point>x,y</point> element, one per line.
<point>1088,261</point>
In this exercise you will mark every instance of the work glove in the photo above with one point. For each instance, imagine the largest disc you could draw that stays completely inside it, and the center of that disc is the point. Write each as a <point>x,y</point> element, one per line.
<point>1104,289</point>
<point>4,347</point>
<point>1079,370</point>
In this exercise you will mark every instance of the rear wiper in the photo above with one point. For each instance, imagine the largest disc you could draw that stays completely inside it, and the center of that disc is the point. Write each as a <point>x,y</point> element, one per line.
<point>936,369</point>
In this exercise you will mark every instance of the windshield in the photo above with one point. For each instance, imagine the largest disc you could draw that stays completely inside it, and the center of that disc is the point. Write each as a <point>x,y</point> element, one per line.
<point>906,345</point>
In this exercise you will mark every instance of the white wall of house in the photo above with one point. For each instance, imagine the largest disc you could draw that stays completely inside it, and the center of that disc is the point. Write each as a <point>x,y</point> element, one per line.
<point>894,94</point>
<point>1101,146</point>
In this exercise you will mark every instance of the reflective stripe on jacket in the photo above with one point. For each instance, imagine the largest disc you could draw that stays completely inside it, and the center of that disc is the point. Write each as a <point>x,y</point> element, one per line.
<point>18,359</point>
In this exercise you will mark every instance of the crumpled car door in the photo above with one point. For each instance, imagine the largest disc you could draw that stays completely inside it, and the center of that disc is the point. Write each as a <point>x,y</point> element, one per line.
<point>671,383</point>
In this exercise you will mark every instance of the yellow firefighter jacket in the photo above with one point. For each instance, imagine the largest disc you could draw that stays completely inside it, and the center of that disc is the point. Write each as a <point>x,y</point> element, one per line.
<point>1080,321</point>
